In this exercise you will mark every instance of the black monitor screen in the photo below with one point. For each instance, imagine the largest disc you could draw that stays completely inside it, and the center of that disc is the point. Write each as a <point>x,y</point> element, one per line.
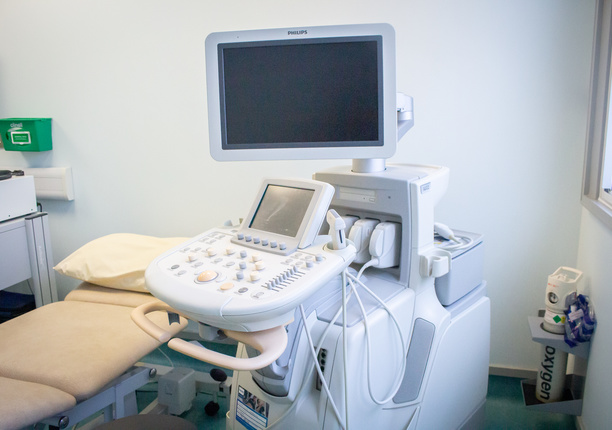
<point>306,93</point>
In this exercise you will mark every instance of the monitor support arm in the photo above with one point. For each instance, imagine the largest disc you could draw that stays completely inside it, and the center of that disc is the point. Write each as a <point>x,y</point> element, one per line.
<point>405,114</point>
<point>405,121</point>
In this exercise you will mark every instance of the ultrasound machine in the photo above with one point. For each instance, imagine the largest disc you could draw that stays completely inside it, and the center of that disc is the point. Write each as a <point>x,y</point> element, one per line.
<point>352,307</point>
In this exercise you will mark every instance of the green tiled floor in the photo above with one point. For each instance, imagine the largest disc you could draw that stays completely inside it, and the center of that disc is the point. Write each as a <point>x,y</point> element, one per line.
<point>504,408</point>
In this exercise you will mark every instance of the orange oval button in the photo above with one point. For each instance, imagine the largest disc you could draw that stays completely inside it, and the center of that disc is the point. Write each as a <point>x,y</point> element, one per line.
<point>207,276</point>
<point>226,286</point>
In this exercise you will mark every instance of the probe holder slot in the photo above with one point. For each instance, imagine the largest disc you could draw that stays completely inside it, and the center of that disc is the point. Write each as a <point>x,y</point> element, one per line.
<point>435,263</point>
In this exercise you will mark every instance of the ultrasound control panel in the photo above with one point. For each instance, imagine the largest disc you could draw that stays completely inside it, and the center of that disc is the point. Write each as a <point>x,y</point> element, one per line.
<point>213,280</point>
<point>252,277</point>
<point>242,271</point>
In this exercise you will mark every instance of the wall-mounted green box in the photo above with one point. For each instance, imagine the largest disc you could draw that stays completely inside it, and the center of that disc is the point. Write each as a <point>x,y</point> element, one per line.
<point>26,134</point>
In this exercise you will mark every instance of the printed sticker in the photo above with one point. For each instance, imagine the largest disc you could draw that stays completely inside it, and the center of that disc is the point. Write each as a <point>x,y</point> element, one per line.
<point>251,411</point>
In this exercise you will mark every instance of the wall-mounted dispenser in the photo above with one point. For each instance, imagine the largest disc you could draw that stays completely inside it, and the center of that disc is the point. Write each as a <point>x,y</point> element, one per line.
<point>26,134</point>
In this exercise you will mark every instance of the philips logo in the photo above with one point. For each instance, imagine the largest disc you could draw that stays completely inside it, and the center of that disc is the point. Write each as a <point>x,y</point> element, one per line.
<point>297,32</point>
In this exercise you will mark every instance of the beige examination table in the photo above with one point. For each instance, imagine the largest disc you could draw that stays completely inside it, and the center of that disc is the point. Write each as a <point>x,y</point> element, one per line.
<point>69,359</point>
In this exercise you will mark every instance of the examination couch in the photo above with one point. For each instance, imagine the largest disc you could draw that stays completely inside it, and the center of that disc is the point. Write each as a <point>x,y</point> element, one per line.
<point>68,358</point>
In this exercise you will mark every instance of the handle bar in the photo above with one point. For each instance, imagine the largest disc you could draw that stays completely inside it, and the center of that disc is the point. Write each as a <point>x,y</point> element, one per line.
<point>271,343</point>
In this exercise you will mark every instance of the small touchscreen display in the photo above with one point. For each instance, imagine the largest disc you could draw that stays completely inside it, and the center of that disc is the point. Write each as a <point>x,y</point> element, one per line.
<point>282,210</point>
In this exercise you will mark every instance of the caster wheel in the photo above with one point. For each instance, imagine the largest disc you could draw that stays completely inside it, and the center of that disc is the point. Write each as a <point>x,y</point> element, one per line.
<point>218,375</point>
<point>211,409</point>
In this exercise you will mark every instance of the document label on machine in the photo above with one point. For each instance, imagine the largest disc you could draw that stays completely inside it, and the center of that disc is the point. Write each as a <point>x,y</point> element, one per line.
<point>251,411</point>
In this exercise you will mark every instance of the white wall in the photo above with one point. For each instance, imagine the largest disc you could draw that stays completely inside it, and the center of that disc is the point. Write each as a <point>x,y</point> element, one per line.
<point>500,94</point>
<point>594,260</point>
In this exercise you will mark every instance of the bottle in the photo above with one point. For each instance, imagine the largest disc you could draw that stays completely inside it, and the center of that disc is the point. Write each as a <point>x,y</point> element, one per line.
<point>550,382</point>
<point>560,291</point>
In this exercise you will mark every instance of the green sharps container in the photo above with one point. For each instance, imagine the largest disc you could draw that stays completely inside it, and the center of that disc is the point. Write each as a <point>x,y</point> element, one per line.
<point>26,134</point>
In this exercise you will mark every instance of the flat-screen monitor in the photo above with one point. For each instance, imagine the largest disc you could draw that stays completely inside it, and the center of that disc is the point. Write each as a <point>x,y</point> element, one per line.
<point>302,93</point>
